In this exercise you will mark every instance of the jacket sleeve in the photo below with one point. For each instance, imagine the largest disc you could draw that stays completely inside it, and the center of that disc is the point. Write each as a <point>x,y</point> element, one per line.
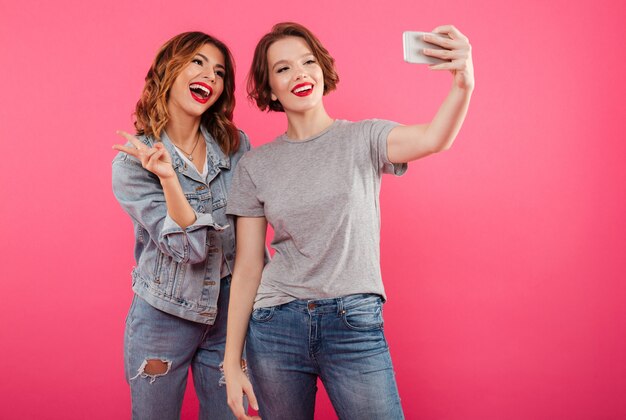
<point>140,194</point>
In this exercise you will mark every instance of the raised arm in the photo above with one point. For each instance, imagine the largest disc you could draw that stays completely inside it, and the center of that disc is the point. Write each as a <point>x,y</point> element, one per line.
<point>411,142</point>
<point>249,262</point>
<point>158,161</point>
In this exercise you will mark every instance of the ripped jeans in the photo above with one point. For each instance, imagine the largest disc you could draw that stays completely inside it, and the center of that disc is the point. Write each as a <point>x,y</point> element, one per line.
<point>340,341</point>
<point>175,344</point>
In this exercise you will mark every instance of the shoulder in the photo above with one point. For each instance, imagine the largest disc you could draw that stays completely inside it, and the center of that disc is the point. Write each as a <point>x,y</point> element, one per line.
<point>355,129</point>
<point>265,150</point>
<point>244,141</point>
<point>373,129</point>
<point>370,123</point>
<point>260,159</point>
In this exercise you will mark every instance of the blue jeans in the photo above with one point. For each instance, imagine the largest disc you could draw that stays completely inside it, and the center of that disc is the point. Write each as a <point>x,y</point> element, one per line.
<point>341,341</point>
<point>155,335</point>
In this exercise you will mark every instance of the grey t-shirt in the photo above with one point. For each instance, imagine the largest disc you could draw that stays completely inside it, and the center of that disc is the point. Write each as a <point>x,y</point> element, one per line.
<point>321,196</point>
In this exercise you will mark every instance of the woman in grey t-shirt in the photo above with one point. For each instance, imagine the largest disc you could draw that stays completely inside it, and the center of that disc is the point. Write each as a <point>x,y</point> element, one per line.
<point>315,310</point>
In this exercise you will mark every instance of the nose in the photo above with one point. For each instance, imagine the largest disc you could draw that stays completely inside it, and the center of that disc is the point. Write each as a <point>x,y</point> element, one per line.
<point>210,75</point>
<point>301,73</point>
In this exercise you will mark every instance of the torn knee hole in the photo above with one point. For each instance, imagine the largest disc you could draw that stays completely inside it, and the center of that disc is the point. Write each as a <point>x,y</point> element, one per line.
<point>155,367</point>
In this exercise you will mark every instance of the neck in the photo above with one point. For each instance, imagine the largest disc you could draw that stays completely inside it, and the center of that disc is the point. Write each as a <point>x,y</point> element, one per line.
<point>182,129</point>
<point>302,125</point>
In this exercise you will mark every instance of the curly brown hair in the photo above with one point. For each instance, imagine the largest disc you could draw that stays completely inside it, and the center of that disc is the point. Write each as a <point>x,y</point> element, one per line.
<point>151,115</point>
<point>258,86</point>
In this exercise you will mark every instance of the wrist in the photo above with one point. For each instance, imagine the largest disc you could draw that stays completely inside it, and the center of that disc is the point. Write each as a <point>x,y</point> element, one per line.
<point>167,180</point>
<point>234,364</point>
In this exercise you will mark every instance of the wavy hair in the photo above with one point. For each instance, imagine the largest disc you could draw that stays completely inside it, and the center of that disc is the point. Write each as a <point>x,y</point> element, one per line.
<point>151,115</point>
<point>258,86</point>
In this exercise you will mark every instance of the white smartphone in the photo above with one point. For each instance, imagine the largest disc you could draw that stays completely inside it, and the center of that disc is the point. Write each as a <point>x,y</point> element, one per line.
<point>414,45</point>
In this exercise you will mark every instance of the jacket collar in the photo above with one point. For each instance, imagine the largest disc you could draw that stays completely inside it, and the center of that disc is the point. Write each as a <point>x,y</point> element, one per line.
<point>216,159</point>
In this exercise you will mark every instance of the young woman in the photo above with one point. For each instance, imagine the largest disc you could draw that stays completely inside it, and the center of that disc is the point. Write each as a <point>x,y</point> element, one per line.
<point>315,310</point>
<point>172,180</point>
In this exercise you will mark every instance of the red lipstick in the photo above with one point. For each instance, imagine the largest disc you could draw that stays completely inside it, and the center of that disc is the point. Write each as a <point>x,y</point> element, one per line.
<point>200,91</point>
<point>299,91</point>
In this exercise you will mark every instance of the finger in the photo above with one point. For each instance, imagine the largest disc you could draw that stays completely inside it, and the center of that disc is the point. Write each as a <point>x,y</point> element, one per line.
<point>442,54</point>
<point>451,31</point>
<point>152,158</point>
<point>126,149</point>
<point>166,154</point>
<point>442,41</point>
<point>247,388</point>
<point>236,404</point>
<point>450,65</point>
<point>134,140</point>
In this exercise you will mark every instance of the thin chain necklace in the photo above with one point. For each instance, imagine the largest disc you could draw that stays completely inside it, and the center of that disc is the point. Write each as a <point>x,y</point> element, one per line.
<point>189,155</point>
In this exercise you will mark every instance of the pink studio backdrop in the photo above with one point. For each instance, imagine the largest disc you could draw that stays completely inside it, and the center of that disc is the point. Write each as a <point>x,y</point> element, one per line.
<point>503,258</point>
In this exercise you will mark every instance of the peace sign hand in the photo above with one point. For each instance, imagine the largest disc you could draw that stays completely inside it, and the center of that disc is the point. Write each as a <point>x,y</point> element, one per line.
<point>155,159</point>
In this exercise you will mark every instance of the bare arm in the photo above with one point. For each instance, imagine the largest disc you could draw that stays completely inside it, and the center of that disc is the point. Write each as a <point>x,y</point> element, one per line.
<point>249,264</point>
<point>407,143</point>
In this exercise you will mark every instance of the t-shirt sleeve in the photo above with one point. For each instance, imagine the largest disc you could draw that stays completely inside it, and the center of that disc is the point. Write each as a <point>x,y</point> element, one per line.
<point>242,198</point>
<point>376,132</point>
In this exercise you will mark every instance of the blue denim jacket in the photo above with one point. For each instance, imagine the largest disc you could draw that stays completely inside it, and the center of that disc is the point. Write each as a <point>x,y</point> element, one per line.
<point>178,270</point>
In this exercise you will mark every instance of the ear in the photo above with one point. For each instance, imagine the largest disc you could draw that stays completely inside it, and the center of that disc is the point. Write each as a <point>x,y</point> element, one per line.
<point>273,97</point>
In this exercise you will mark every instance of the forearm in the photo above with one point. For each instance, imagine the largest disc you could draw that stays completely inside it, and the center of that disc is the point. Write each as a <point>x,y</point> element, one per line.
<point>178,207</point>
<point>244,284</point>
<point>242,293</point>
<point>444,127</point>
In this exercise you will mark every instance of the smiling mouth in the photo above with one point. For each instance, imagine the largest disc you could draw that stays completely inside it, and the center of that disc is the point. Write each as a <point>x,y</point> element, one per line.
<point>200,92</point>
<point>303,89</point>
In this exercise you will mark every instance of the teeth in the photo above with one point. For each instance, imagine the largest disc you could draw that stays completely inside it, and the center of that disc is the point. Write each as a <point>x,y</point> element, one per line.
<point>303,88</point>
<point>200,87</point>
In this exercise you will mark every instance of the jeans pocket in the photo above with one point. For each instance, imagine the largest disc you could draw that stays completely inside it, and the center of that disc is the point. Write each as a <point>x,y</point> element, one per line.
<point>262,314</point>
<point>365,316</point>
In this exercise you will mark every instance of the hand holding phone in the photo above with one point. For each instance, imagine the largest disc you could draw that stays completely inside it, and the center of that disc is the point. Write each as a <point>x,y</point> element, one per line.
<point>414,45</point>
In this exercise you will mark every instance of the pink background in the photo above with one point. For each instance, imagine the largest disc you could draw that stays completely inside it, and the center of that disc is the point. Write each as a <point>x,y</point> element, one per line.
<point>503,258</point>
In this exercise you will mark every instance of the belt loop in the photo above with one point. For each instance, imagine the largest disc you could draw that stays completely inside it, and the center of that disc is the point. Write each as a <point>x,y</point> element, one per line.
<point>340,309</point>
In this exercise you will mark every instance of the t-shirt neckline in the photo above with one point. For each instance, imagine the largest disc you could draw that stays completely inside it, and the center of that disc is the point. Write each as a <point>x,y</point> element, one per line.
<point>286,139</point>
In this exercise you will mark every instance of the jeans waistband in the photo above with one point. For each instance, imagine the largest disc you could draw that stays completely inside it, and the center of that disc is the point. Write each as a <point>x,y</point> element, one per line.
<point>334,305</point>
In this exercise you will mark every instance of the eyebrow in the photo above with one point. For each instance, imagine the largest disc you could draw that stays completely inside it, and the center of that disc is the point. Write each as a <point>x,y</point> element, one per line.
<point>310,54</point>
<point>207,60</point>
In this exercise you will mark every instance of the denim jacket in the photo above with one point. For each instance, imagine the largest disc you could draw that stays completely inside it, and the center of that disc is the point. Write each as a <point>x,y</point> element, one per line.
<point>178,270</point>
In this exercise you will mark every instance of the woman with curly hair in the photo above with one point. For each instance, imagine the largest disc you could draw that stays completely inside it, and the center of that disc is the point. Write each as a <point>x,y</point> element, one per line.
<point>172,179</point>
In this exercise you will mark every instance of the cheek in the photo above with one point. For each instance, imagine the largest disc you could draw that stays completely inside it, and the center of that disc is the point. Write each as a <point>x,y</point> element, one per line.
<point>220,91</point>
<point>320,76</point>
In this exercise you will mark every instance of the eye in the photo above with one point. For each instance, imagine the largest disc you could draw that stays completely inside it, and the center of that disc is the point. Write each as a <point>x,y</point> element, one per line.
<point>197,61</point>
<point>310,61</point>
<point>220,73</point>
<point>282,69</point>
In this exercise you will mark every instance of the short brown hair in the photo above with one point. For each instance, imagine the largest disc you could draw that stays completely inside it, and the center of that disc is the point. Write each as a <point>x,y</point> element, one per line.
<point>151,115</point>
<point>259,89</point>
